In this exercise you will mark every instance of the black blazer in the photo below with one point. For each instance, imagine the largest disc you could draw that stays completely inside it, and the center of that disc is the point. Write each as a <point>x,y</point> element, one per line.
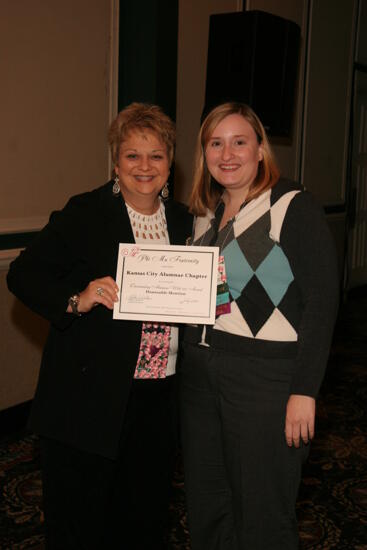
<point>89,361</point>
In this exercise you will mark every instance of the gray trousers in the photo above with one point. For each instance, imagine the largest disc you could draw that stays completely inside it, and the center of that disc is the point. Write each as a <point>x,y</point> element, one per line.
<point>241,478</point>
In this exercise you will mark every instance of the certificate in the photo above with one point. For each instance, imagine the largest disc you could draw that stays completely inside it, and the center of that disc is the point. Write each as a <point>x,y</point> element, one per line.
<point>167,283</point>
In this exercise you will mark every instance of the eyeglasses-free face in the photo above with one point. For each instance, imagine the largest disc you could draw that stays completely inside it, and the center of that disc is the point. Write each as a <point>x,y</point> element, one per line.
<point>143,168</point>
<point>233,153</point>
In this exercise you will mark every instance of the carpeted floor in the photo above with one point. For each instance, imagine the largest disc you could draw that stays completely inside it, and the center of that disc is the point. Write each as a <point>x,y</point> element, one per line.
<point>332,504</point>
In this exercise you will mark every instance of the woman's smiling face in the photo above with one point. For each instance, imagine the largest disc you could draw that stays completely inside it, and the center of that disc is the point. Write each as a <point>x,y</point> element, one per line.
<point>233,153</point>
<point>143,167</point>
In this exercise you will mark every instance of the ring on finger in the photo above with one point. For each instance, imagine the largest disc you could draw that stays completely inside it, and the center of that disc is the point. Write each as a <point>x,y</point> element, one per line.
<point>100,291</point>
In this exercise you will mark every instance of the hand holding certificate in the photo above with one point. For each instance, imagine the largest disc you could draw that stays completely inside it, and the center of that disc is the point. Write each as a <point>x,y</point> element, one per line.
<point>163,283</point>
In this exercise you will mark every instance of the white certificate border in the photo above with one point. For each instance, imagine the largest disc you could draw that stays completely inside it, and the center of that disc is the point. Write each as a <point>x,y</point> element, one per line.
<point>204,319</point>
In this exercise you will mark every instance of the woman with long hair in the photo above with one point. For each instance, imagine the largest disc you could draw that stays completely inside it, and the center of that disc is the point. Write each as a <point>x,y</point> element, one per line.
<point>249,383</point>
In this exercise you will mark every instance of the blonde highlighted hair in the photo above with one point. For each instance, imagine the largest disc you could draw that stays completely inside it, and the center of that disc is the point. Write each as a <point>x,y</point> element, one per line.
<point>206,192</point>
<point>141,117</point>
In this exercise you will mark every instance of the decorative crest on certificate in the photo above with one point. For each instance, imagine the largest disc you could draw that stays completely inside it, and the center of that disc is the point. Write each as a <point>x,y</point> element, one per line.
<point>167,283</point>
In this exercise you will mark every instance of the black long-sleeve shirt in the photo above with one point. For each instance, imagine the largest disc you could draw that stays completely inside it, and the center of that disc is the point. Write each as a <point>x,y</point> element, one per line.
<point>283,281</point>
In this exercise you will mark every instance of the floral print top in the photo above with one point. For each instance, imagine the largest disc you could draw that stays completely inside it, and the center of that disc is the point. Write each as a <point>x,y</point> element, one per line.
<point>156,339</point>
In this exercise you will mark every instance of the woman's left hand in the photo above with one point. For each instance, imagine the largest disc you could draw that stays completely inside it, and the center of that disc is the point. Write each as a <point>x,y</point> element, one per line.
<point>300,419</point>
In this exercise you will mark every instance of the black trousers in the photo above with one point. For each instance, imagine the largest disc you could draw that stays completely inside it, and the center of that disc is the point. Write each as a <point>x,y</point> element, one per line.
<point>241,478</point>
<point>92,502</point>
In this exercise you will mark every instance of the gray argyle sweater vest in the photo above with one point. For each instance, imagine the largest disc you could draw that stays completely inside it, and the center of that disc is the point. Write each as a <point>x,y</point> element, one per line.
<point>265,299</point>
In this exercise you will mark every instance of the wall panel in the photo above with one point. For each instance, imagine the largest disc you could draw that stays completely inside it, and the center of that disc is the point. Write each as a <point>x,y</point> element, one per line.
<point>328,97</point>
<point>55,98</point>
<point>193,32</point>
<point>22,337</point>
<point>57,95</point>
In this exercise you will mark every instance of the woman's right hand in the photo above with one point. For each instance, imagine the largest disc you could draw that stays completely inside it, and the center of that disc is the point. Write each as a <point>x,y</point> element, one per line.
<point>99,292</point>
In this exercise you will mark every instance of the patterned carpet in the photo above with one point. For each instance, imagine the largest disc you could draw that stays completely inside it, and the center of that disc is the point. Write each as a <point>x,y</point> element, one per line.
<point>332,504</point>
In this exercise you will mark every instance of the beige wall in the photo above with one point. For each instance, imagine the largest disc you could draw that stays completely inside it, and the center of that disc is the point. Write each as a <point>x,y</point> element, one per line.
<point>57,96</point>
<point>22,338</point>
<point>55,105</point>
